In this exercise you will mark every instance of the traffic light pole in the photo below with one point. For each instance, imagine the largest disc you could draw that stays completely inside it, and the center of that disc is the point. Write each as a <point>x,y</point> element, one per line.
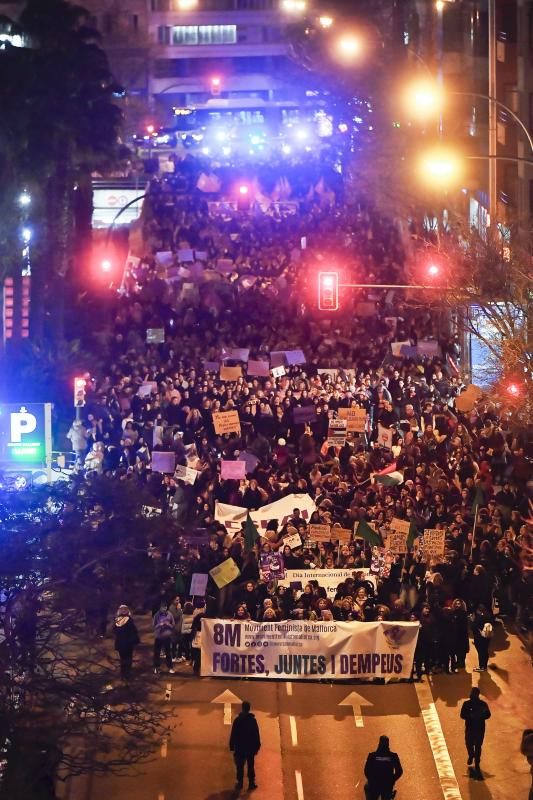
<point>385,286</point>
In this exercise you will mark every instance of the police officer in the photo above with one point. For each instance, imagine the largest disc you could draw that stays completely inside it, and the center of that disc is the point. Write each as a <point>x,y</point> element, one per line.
<point>245,743</point>
<point>474,712</point>
<point>382,770</point>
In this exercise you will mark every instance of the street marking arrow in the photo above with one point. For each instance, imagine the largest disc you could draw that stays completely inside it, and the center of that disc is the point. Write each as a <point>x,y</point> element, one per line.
<point>228,699</point>
<point>356,701</point>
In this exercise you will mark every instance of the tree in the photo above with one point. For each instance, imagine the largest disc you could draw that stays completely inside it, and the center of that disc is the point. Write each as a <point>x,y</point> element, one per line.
<point>72,552</point>
<point>59,123</point>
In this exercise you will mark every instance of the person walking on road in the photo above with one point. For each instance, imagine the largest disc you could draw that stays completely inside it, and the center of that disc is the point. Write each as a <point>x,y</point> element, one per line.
<point>482,632</point>
<point>126,638</point>
<point>382,770</point>
<point>245,744</point>
<point>164,627</point>
<point>474,712</point>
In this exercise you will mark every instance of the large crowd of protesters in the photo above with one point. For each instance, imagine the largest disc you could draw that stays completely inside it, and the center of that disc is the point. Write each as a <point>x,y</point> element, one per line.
<point>251,284</point>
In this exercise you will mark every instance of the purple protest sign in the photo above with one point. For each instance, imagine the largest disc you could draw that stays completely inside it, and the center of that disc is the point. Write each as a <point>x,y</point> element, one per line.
<point>294,357</point>
<point>303,415</point>
<point>259,369</point>
<point>277,358</point>
<point>233,470</point>
<point>163,462</point>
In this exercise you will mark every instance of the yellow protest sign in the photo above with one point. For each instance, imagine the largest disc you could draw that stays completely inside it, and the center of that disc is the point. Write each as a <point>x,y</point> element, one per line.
<point>400,525</point>
<point>341,535</point>
<point>225,573</point>
<point>230,373</point>
<point>226,422</point>
<point>319,533</point>
<point>355,419</point>
<point>397,542</point>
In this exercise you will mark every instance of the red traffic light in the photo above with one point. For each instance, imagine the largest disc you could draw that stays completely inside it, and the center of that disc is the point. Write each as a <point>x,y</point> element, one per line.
<point>513,389</point>
<point>150,129</point>
<point>243,189</point>
<point>328,291</point>
<point>433,270</point>
<point>215,85</point>
<point>106,265</point>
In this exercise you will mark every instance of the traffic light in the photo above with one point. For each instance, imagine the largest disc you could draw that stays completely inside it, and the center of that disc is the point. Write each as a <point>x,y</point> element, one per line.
<point>328,291</point>
<point>433,270</point>
<point>106,265</point>
<point>513,390</point>
<point>79,392</point>
<point>215,85</point>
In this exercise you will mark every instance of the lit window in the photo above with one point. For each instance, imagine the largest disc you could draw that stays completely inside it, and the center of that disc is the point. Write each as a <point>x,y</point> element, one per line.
<point>203,34</point>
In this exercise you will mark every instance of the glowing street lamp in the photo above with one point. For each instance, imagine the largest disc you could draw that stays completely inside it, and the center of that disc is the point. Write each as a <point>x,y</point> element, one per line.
<point>433,270</point>
<point>243,190</point>
<point>325,22</point>
<point>24,199</point>
<point>440,168</point>
<point>424,99</point>
<point>293,6</point>
<point>349,46</point>
<point>106,265</point>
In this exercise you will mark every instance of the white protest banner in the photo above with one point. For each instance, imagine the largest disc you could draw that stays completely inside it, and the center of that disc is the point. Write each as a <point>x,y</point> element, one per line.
<point>329,579</point>
<point>185,255</point>
<point>282,510</point>
<point>147,388</point>
<point>385,436</point>
<point>186,474</point>
<point>230,516</point>
<point>319,533</point>
<point>226,422</point>
<point>433,542</point>
<point>337,432</point>
<point>278,372</point>
<point>294,541</point>
<point>199,584</point>
<point>355,419</point>
<point>225,573</point>
<point>308,650</point>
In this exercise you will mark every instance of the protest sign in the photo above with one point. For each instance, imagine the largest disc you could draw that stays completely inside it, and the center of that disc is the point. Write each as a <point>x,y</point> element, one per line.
<point>211,366</point>
<point>428,347</point>
<point>341,535</point>
<point>226,422</point>
<point>308,650</point>
<point>381,562</point>
<point>355,419</point>
<point>328,579</point>
<point>397,542</point>
<point>326,372</point>
<point>250,460</point>
<point>467,400</point>
<point>225,573</point>
<point>147,388</point>
<point>400,525</point>
<point>235,353</point>
<point>294,357</point>
<point>277,358</point>
<point>230,373</point>
<point>199,584</point>
<point>365,309</point>
<point>163,462</point>
<point>186,474</point>
<point>271,566</point>
<point>303,415</point>
<point>433,542</point>
<point>319,533</point>
<point>155,335</point>
<point>278,372</point>
<point>151,511</point>
<point>293,541</point>
<point>233,470</point>
<point>260,369</point>
<point>200,255</point>
<point>164,258</point>
<point>185,255</point>
<point>337,432</point>
<point>224,264</point>
<point>396,347</point>
<point>385,436</point>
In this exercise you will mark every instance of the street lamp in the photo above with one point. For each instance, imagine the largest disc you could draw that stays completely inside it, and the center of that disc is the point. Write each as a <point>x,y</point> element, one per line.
<point>440,167</point>
<point>24,199</point>
<point>325,22</point>
<point>349,46</point>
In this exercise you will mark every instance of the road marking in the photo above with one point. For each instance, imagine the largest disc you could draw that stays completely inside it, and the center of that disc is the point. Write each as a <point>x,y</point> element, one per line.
<point>168,691</point>
<point>164,748</point>
<point>160,796</point>
<point>294,731</point>
<point>299,784</point>
<point>288,687</point>
<point>356,701</point>
<point>441,756</point>
<point>227,698</point>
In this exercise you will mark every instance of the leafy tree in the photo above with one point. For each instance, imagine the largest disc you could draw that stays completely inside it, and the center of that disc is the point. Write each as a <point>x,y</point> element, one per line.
<point>72,552</point>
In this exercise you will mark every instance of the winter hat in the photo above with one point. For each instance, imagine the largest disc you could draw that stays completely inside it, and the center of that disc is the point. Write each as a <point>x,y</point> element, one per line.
<point>123,611</point>
<point>282,442</point>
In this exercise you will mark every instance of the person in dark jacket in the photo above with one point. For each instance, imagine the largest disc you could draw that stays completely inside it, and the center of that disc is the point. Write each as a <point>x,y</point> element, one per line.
<point>461,644</point>
<point>245,744</point>
<point>474,712</point>
<point>482,631</point>
<point>382,770</point>
<point>126,638</point>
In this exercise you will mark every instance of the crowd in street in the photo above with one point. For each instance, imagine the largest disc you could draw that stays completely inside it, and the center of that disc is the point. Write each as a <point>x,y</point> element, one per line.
<point>419,458</point>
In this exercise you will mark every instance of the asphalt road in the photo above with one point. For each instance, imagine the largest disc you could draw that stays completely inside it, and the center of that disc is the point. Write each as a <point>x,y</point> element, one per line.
<point>315,737</point>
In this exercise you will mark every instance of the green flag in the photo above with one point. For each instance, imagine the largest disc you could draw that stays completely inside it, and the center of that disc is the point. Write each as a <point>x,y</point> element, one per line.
<point>368,534</point>
<point>479,499</point>
<point>413,533</point>
<point>251,535</point>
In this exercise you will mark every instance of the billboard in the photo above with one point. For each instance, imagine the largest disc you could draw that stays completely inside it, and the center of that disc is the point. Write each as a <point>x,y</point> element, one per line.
<point>25,434</point>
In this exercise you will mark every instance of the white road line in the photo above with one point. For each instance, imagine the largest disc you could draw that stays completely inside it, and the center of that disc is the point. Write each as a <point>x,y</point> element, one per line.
<point>443,762</point>
<point>160,796</point>
<point>164,749</point>
<point>299,784</point>
<point>294,731</point>
<point>168,691</point>
<point>288,687</point>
